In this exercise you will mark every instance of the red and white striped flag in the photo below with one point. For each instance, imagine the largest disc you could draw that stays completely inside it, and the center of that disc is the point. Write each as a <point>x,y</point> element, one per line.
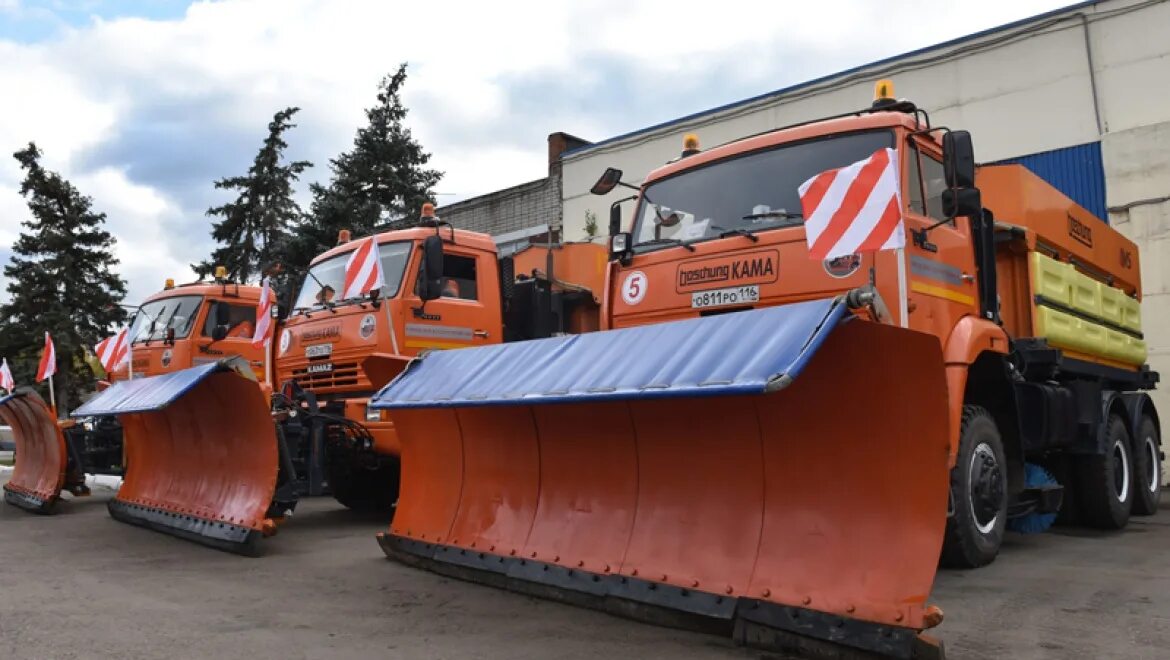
<point>113,351</point>
<point>853,209</point>
<point>263,315</point>
<point>363,270</point>
<point>6,379</point>
<point>48,365</point>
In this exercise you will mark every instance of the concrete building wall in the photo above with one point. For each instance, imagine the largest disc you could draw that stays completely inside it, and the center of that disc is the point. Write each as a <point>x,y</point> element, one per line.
<point>520,207</point>
<point>1095,72</point>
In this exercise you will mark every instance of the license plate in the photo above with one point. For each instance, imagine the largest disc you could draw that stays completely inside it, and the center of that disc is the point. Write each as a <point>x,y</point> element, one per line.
<point>736,295</point>
<point>319,350</point>
<point>319,368</point>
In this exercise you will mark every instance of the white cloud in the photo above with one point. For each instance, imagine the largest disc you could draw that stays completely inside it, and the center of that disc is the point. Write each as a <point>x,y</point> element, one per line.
<point>143,115</point>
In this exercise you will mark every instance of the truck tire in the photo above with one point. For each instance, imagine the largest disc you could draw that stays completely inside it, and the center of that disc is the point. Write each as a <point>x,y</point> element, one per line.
<point>1147,468</point>
<point>1106,482</point>
<point>980,494</point>
<point>364,490</point>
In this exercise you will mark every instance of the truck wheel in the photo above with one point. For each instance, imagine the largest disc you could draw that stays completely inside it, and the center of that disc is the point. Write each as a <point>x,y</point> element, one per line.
<point>1147,468</point>
<point>1106,482</point>
<point>979,491</point>
<point>367,491</point>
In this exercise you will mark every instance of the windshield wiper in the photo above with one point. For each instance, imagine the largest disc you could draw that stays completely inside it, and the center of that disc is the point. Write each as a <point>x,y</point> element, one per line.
<point>773,214</point>
<point>669,241</point>
<point>740,231</point>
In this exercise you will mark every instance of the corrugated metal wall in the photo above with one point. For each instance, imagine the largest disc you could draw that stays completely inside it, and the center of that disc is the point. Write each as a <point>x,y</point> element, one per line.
<point>1076,171</point>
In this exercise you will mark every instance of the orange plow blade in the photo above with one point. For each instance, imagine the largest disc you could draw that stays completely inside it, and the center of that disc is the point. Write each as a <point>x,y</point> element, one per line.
<point>41,459</point>
<point>780,473</point>
<point>201,455</point>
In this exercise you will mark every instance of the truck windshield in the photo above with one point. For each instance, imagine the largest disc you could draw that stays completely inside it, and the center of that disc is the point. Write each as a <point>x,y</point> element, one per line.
<point>329,276</point>
<point>177,312</point>
<point>746,193</point>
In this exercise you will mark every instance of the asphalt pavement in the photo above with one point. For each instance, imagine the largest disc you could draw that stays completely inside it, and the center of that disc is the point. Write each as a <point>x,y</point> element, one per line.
<point>81,585</point>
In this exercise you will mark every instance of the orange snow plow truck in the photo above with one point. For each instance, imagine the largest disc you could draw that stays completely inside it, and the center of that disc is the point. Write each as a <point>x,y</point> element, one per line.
<point>781,448</point>
<point>218,459</point>
<point>172,330</point>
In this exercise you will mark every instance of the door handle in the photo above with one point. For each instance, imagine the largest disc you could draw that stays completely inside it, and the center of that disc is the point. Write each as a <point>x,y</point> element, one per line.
<point>482,334</point>
<point>968,278</point>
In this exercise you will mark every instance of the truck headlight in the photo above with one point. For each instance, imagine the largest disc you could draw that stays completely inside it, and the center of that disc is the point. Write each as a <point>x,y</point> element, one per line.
<point>373,415</point>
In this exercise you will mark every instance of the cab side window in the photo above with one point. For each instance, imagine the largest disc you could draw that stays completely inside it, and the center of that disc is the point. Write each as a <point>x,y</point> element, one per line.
<point>927,183</point>
<point>459,279</point>
<point>241,320</point>
<point>934,182</point>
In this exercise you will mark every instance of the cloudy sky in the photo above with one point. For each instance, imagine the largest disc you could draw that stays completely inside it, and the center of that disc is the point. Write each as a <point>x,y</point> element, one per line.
<point>143,103</point>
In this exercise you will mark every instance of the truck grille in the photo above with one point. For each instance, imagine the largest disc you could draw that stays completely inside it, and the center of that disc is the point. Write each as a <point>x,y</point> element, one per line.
<point>344,375</point>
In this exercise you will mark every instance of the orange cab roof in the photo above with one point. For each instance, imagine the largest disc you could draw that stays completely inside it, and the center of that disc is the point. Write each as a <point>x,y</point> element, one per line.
<point>848,124</point>
<point>462,237</point>
<point>212,289</point>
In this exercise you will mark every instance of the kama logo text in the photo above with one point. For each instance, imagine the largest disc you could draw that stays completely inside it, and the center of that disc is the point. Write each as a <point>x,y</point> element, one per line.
<point>748,268</point>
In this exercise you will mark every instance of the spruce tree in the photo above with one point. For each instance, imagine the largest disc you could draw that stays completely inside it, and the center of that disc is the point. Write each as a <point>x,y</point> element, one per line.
<point>382,182</point>
<point>61,279</point>
<point>258,221</point>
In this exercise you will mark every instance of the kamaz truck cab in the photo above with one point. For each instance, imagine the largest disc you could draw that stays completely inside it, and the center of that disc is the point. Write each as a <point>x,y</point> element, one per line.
<point>444,288</point>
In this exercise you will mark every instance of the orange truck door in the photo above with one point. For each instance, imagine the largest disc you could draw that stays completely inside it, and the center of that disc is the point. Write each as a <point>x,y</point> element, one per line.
<point>468,313</point>
<point>940,270</point>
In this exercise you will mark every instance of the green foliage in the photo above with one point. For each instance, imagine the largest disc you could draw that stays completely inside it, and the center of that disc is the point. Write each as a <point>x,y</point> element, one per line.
<point>590,224</point>
<point>258,221</point>
<point>382,182</point>
<point>60,279</point>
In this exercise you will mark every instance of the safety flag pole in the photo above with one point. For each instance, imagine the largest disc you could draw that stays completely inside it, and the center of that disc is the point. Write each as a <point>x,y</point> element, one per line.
<point>6,380</point>
<point>903,295</point>
<point>263,335</point>
<point>47,368</point>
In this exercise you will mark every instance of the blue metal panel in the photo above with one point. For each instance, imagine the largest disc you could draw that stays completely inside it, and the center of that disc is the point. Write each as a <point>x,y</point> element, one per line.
<point>743,353</point>
<point>1078,172</point>
<point>154,393</point>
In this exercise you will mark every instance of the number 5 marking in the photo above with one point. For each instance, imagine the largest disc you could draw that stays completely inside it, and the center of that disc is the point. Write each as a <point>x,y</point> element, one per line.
<point>634,287</point>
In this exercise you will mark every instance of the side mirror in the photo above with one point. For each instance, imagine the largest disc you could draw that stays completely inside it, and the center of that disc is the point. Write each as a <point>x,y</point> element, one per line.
<point>219,332</point>
<point>615,219</point>
<point>430,284</point>
<point>962,202</point>
<point>619,245</point>
<point>608,181</point>
<point>959,159</point>
<point>222,314</point>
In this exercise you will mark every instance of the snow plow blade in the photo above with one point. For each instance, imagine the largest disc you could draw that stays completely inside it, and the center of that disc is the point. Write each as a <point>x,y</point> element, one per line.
<point>777,474</point>
<point>201,454</point>
<point>39,474</point>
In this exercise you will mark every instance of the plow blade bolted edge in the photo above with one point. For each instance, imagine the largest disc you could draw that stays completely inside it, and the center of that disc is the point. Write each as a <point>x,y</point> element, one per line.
<point>201,454</point>
<point>41,460</point>
<point>783,470</point>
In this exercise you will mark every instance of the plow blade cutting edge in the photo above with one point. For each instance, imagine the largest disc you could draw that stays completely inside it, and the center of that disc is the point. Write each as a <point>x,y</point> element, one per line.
<point>39,474</point>
<point>777,474</point>
<point>201,454</point>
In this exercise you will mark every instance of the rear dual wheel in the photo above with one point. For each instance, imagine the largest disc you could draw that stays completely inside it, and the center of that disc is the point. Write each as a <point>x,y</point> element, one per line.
<point>979,494</point>
<point>1147,463</point>
<point>1106,482</point>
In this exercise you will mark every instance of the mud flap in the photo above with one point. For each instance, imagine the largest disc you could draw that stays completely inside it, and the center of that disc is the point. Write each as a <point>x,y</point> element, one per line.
<point>41,459</point>
<point>782,470</point>
<point>201,454</point>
